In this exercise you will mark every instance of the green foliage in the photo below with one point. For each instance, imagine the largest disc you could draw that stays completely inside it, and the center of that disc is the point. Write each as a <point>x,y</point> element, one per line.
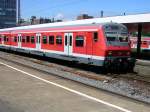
<point>146,34</point>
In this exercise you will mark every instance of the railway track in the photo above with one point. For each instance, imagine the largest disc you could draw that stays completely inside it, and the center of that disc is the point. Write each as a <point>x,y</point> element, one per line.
<point>59,66</point>
<point>91,76</point>
<point>83,70</point>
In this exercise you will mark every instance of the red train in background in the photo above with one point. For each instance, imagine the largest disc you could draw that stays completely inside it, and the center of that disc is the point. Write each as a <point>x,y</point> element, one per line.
<point>105,44</point>
<point>145,43</point>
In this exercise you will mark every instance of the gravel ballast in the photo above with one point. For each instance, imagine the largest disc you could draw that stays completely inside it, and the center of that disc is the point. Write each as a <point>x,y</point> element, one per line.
<point>135,89</point>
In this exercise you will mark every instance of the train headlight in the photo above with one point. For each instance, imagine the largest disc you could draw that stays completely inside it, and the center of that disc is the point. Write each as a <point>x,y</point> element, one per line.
<point>120,60</point>
<point>109,53</point>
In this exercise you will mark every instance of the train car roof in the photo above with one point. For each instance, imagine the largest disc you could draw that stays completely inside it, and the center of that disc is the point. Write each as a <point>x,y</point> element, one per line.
<point>55,25</point>
<point>137,18</point>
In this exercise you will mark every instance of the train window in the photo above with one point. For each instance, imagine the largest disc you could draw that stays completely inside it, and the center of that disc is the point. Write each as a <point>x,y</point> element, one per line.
<point>123,39</point>
<point>79,41</point>
<point>5,38</point>
<point>23,39</point>
<point>70,41</point>
<point>95,36</point>
<point>18,38</point>
<point>59,39</point>
<point>32,39</point>
<point>28,39</point>
<point>44,39</point>
<point>66,40</point>
<point>15,39</point>
<point>51,39</point>
<point>111,38</point>
<point>144,42</point>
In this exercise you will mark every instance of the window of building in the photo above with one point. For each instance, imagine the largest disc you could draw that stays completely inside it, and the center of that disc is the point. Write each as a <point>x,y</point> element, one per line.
<point>44,39</point>
<point>95,36</point>
<point>79,41</point>
<point>28,39</point>
<point>32,39</point>
<point>15,39</point>
<point>51,39</point>
<point>59,39</point>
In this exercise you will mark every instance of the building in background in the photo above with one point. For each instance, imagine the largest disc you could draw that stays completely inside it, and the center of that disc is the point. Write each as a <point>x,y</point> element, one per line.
<point>34,20</point>
<point>9,13</point>
<point>84,16</point>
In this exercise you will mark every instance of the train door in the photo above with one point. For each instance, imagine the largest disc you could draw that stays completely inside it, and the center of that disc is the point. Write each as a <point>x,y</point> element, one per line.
<point>19,40</point>
<point>68,43</point>
<point>38,41</point>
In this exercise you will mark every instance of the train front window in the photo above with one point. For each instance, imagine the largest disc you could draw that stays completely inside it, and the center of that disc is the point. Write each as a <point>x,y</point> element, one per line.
<point>123,39</point>
<point>109,38</point>
<point>116,35</point>
<point>117,40</point>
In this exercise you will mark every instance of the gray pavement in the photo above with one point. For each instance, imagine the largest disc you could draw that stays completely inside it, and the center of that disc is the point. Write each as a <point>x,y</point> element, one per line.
<point>22,93</point>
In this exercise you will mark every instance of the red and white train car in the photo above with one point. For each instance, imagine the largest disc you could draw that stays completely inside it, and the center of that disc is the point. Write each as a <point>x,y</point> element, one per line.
<point>145,43</point>
<point>103,44</point>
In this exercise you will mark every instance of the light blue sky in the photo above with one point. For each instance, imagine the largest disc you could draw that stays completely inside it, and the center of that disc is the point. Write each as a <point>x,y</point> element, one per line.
<point>69,9</point>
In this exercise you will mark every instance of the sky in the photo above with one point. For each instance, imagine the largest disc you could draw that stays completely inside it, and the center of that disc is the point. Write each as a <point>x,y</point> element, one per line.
<point>69,9</point>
